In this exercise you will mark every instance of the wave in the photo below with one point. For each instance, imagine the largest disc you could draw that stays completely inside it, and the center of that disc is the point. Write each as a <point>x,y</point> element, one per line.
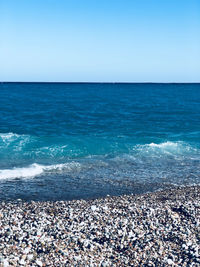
<point>10,137</point>
<point>31,147</point>
<point>35,147</point>
<point>14,142</point>
<point>35,169</point>
<point>167,144</point>
<point>178,148</point>
<point>16,146</point>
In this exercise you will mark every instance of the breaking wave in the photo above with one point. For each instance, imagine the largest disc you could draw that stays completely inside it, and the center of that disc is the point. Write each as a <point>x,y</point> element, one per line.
<point>175,149</point>
<point>36,169</point>
<point>27,146</point>
<point>93,156</point>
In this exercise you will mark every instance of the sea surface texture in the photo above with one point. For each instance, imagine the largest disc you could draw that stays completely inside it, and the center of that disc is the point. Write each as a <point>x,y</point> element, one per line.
<point>70,141</point>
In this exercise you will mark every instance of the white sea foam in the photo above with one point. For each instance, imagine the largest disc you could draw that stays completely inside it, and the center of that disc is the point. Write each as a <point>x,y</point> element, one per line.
<point>165,145</point>
<point>173,148</point>
<point>30,171</point>
<point>6,137</point>
<point>16,140</point>
<point>31,146</point>
<point>37,169</point>
<point>12,136</point>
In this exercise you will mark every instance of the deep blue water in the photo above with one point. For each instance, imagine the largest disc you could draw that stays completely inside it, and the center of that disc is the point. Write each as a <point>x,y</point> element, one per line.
<point>65,141</point>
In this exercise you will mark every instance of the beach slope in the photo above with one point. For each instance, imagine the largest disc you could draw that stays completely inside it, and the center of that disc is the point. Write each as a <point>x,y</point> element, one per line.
<point>155,229</point>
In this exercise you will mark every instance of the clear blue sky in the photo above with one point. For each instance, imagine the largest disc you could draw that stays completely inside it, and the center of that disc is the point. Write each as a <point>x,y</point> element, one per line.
<point>104,40</point>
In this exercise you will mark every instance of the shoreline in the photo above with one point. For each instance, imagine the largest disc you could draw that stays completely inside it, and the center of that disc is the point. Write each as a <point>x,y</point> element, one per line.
<point>159,229</point>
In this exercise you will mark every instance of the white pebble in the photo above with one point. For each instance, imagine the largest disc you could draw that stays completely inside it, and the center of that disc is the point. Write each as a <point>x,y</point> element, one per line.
<point>5,263</point>
<point>22,262</point>
<point>93,207</point>
<point>26,250</point>
<point>39,263</point>
<point>184,246</point>
<point>30,256</point>
<point>170,262</point>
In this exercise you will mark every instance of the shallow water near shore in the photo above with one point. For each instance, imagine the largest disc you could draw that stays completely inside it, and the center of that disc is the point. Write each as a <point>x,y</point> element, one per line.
<point>70,141</point>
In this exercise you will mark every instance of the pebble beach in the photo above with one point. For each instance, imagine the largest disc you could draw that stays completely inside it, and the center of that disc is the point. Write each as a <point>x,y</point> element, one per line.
<point>154,229</point>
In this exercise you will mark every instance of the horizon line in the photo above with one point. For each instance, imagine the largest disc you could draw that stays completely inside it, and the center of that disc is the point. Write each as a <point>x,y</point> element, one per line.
<point>83,82</point>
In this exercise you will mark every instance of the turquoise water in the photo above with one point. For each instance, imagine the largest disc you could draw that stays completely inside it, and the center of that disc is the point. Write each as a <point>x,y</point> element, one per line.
<point>66,141</point>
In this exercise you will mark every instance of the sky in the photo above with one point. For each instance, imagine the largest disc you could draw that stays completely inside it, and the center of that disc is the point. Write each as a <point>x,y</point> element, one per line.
<point>100,41</point>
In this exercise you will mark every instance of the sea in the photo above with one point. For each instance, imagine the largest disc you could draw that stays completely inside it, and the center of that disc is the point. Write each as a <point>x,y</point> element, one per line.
<point>64,141</point>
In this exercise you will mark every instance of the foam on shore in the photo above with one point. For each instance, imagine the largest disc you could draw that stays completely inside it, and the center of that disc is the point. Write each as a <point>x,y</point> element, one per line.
<point>37,169</point>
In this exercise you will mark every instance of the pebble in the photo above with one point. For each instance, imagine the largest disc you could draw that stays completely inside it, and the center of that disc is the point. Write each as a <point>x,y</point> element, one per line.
<point>93,207</point>
<point>30,256</point>
<point>39,263</point>
<point>22,262</point>
<point>155,229</point>
<point>170,262</point>
<point>5,263</point>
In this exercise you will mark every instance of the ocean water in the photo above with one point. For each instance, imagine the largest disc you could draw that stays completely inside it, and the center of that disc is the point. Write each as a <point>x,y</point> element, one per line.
<point>69,141</point>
